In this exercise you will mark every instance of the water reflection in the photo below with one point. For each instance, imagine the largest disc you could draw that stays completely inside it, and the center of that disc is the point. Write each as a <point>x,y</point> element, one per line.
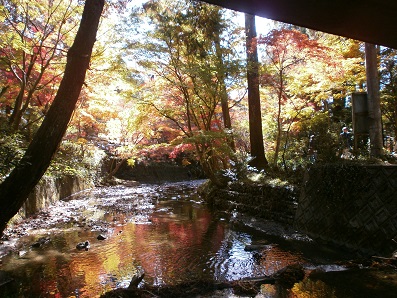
<point>166,231</point>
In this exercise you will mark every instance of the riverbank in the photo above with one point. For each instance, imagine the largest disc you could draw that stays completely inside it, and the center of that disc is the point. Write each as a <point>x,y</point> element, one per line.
<point>350,206</point>
<point>49,191</point>
<point>182,246</point>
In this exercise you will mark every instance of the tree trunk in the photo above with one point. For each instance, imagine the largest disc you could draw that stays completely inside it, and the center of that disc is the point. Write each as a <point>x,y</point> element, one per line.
<point>279,120</point>
<point>254,105</point>
<point>374,112</point>
<point>17,186</point>
<point>113,170</point>
<point>227,122</point>
<point>16,112</point>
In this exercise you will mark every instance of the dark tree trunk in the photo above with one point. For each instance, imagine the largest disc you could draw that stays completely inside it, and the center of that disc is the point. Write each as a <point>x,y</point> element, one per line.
<point>374,112</point>
<point>16,112</point>
<point>17,186</point>
<point>254,105</point>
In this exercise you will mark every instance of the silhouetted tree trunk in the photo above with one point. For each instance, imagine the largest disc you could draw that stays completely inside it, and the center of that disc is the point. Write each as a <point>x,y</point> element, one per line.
<point>374,112</point>
<point>17,186</point>
<point>254,106</point>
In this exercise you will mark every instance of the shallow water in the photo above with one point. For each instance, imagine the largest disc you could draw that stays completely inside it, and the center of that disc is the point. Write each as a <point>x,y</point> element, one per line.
<point>165,231</point>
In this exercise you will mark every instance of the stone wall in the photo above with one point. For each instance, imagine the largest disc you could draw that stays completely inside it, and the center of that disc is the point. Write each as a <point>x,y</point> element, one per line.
<point>50,190</point>
<point>351,206</point>
<point>159,172</point>
<point>276,203</point>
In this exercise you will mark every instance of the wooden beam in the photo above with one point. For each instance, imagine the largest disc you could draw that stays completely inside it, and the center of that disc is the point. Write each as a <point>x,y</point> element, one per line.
<point>366,20</point>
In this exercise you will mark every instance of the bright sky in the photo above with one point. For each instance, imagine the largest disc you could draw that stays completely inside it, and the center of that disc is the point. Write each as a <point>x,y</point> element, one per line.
<point>263,26</point>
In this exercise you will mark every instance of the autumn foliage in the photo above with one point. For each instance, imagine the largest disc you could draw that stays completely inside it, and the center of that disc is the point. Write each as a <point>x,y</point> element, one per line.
<point>175,88</point>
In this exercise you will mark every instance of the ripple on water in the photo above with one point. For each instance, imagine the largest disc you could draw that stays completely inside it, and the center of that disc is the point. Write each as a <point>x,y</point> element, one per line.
<point>172,241</point>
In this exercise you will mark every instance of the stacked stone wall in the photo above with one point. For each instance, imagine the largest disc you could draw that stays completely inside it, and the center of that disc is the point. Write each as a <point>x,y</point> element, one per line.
<point>265,201</point>
<point>351,206</point>
<point>159,172</point>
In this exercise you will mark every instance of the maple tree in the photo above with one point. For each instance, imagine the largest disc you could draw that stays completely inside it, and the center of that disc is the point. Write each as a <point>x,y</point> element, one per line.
<point>32,50</point>
<point>184,53</point>
<point>38,155</point>
<point>364,76</point>
<point>106,117</point>
<point>295,72</point>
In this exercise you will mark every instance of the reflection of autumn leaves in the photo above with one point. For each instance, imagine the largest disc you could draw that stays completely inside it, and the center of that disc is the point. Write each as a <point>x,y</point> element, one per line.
<point>62,274</point>
<point>167,245</point>
<point>50,279</point>
<point>174,245</point>
<point>87,267</point>
<point>313,289</point>
<point>91,269</point>
<point>274,259</point>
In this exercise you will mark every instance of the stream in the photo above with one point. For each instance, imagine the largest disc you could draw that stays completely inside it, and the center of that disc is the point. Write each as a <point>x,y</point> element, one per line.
<point>166,231</point>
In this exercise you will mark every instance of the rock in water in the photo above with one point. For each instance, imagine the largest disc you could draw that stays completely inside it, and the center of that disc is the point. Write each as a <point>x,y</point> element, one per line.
<point>101,237</point>
<point>41,241</point>
<point>83,245</point>
<point>290,275</point>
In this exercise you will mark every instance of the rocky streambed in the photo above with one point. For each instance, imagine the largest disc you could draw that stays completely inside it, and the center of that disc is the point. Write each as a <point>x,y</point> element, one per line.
<point>96,242</point>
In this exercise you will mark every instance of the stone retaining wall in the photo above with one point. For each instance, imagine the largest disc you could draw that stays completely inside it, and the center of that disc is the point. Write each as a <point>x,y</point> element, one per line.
<point>351,206</point>
<point>159,172</point>
<point>50,190</point>
<point>269,202</point>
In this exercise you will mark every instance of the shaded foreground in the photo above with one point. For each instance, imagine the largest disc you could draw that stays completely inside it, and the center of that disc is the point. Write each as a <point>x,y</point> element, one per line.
<point>183,248</point>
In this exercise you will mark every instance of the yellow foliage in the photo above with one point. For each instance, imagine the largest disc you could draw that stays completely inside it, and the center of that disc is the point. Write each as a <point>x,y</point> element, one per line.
<point>131,162</point>
<point>313,289</point>
<point>185,162</point>
<point>82,141</point>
